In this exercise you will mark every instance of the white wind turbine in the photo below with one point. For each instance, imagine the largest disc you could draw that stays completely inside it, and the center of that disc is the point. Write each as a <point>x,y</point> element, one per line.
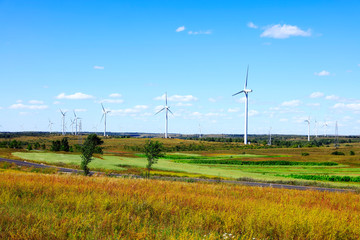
<point>325,125</point>
<point>308,122</point>
<point>76,124</point>
<point>63,121</point>
<point>50,126</point>
<point>246,92</point>
<point>167,109</point>
<point>105,112</point>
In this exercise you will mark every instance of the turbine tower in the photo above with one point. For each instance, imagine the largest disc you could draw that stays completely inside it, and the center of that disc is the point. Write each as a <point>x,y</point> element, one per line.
<point>269,142</point>
<point>76,124</point>
<point>104,116</point>
<point>167,109</point>
<point>325,128</point>
<point>308,122</point>
<point>246,92</point>
<point>50,126</point>
<point>63,121</point>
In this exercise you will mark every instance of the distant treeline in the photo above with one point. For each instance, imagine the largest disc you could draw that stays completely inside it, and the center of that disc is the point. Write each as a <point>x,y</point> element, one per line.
<point>278,142</point>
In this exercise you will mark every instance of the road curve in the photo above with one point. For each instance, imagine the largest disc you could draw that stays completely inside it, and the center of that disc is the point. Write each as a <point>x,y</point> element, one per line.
<point>253,184</point>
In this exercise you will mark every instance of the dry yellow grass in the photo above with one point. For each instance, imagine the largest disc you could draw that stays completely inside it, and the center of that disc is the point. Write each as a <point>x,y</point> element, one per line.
<point>37,206</point>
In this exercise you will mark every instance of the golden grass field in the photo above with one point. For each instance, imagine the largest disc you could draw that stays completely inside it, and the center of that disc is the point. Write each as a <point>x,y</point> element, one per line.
<point>53,206</point>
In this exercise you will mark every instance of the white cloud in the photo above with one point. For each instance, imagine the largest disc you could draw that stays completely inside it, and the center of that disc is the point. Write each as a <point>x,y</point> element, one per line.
<point>115,95</point>
<point>283,119</point>
<point>350,106</point>
<point>24,106</point>
<point>178,98</point>
<point>80,110</point>
<point>75,96</point>
<point>253,113</point>
<point>199,32</point>
<point>180,104</point>
<point>56,102</point>
<point>252,25</point>
<point>284,31</point>
<point>99,67</point>
<point>332,97</point>
<point>322,73</point>
<point>233,110</point>
<point>359,64</point>
<point>241,100</point>
<point>316,95</point>
<point>313,104</point>
<point>19,101</point>
<point>180,29</point>
<point>36,102</point>
<point>111,101</point>
<point>292,103</point>
<point>213,100</point>
<point>129,111</point>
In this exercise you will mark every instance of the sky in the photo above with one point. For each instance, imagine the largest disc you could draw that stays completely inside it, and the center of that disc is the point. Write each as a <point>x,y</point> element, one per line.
<point>303,57</point>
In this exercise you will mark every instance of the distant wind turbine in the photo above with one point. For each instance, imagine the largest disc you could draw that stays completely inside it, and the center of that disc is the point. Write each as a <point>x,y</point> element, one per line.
<point>76,124</point>
<point>50,126</point>
<point>246,92</point>
<point>167,109</point>
<point>63,121</point>
<point>308,122</point>
<point>105,112</point>
<point>325,128</point>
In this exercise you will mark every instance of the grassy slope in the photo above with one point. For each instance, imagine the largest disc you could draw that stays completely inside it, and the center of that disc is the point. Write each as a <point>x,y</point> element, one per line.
<point>37,206</point>
<point>266,173</point>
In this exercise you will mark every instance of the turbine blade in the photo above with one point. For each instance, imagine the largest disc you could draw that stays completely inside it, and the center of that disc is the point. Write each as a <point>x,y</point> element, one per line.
<point>74,113</point>
<point>102,117</point>
<point>171,112</point>
<point>238,92</point>
<point>103,107</point>
<point>61,111</point>
<point>159,111</point>
<point>247,74</point>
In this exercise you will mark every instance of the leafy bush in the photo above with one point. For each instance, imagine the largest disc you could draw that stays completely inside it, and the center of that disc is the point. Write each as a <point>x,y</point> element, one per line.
<point>337,153</point>
<point>324,178</point>
<point>352,153</point>
<point>305,154</point>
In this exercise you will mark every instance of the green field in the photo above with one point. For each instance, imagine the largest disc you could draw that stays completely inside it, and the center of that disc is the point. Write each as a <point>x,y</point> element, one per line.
<point>169,165</point>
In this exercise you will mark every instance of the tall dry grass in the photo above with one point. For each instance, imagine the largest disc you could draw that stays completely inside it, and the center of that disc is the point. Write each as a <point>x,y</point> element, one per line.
<point>37,206</point>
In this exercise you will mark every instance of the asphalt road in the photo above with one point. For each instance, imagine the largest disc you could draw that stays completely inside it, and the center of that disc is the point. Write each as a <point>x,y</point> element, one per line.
<point>253,184</point>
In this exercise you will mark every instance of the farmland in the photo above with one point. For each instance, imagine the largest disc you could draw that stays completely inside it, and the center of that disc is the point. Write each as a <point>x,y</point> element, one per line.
<point>216,160</point>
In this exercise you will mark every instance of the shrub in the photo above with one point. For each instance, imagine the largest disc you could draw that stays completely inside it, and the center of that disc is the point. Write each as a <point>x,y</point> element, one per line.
<point>337,153</point>
<point>352,153</point>
<point>305,154</point>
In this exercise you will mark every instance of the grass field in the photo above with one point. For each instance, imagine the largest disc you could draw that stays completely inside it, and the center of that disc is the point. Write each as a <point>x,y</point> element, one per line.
<point>255,172</point>
<point>120,156</point>
<point>38,206</point>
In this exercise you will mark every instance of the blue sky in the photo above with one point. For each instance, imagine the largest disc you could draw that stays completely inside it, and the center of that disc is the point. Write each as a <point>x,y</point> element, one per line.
<point>304,59</point>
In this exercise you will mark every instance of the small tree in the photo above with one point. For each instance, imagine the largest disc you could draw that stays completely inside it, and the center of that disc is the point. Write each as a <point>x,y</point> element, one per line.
<point>90,146</point>
<point>153,151</point>
<point>65,145</point>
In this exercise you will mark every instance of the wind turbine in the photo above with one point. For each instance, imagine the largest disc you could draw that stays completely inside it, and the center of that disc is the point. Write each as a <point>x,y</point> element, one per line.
<point>76,124</point>
<point>104,115</point>
<point>269,142</point>
<point>308,122</point>
<point>72,126</point>
<point>246,92</point>
<point>167,109</point>
<point>63,121</point>
<point>325,128</point>
<point>50,126</point>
